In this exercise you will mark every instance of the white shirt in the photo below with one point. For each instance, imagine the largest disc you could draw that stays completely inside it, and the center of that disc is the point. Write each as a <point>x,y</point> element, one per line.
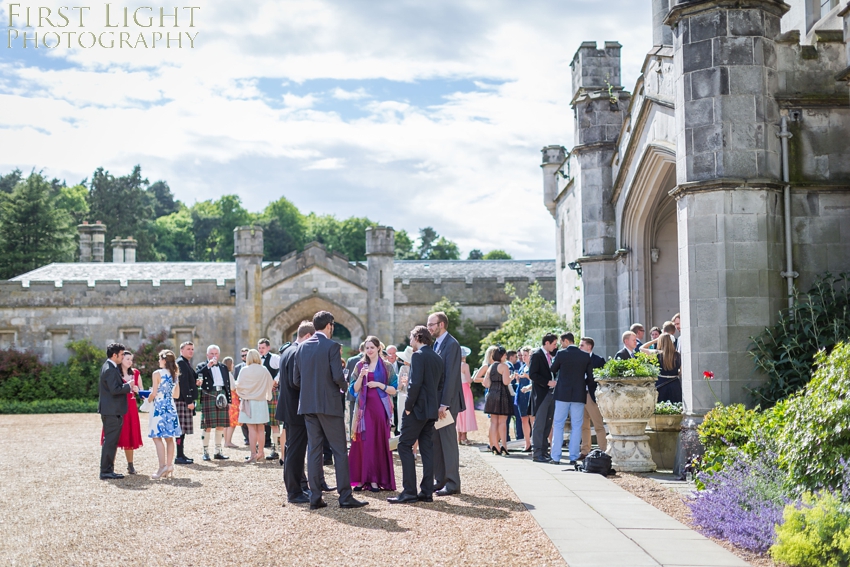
<point>274,360</point>
<point>216,374</point>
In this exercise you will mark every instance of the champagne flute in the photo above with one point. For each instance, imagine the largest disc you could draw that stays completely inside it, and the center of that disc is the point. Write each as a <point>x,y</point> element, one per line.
<point>345,374</point>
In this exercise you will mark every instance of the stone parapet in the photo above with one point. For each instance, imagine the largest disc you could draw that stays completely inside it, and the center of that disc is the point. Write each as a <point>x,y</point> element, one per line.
<point>315,254</point>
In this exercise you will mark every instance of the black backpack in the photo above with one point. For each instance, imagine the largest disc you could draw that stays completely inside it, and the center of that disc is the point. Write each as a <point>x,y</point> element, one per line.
<point>598,462</point>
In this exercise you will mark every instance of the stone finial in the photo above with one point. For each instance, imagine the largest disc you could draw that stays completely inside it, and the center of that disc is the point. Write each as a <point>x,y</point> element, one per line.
<point>248,241</point>
<point>380,241</point>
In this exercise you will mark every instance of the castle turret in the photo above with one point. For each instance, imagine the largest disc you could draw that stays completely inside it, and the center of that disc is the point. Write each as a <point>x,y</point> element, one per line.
<point>248,251</point>
<point>380,291</point>
<point>553,160</point>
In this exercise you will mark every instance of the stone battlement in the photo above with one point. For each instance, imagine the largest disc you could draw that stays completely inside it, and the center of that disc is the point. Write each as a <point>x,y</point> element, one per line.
<point>315,254</point>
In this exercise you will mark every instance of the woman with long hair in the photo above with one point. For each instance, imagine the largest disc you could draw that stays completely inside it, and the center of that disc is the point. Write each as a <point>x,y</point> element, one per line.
<point>499,402</point>
<point>369,459</point>
<point>668,383</point>
<point>131,431</point>
<point>466,421</point>
<point>485,366</point>
<point>255,390</point>
<point>163,421</point>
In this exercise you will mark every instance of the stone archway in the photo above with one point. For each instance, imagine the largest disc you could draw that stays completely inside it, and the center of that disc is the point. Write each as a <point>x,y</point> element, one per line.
<point>282,325</point>
<point>649,231</point>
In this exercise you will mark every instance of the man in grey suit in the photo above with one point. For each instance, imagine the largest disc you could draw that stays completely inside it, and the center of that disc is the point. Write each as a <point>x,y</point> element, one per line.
<point>427,373</point>
<point>317,373</point>
<point>446,455</point>
<point>112,406</point>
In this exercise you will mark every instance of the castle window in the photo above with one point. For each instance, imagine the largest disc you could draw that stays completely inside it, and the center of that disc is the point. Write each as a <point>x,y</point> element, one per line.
<point>8,339</point>
<point>131,338</point>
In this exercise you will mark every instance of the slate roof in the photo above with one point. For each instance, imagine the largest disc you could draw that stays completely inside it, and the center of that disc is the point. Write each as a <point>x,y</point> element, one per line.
<point>220,271</point>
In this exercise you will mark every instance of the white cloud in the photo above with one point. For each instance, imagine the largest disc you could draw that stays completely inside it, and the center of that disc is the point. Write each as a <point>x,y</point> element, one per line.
<point>234,115</point>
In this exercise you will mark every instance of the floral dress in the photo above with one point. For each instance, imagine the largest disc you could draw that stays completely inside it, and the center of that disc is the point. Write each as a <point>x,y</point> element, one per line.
<point>164,421</point>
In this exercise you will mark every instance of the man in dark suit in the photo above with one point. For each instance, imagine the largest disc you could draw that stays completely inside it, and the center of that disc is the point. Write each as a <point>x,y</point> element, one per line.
<point>542,396</point>
<point>186,402</point>
<point>427,374</point>
<point>629,346</point>
<point>112,406</point>
<point>591,410</point>
<point>575,378</point>
<point>318,375</point>
<point>296,430</point>
<point>446,453</point>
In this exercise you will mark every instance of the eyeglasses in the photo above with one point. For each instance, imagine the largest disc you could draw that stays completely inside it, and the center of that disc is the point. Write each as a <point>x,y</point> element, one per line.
<point>429,325</point>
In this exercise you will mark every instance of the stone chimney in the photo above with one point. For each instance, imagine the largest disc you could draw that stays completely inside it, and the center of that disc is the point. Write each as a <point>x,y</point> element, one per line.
<point>85,241</point>
<point>117,250</point>
<point>92,241</point>
<point>130,246</point>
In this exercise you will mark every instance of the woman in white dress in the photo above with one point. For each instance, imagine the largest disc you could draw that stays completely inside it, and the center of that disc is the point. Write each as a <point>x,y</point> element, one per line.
<point>163,421</point>
<point>255,390</point>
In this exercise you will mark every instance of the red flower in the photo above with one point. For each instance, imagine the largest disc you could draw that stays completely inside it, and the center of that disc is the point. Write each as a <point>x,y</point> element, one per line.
<point>708,375</point>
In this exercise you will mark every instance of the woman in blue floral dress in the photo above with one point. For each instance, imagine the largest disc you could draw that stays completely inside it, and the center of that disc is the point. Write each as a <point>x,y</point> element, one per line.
<point>164,423</point>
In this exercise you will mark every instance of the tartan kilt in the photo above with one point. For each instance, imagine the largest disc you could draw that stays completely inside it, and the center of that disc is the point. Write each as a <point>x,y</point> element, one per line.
<point>184,417</point>
<point>273,408</point>
<point>211,416</point>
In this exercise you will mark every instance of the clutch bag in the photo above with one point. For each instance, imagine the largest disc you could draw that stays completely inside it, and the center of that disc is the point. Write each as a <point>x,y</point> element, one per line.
<point>146,406</point>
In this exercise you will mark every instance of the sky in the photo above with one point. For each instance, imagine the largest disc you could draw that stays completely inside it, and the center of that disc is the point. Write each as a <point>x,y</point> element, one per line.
<point>411,112</point>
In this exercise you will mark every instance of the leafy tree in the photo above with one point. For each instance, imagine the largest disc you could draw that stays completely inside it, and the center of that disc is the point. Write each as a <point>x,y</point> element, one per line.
<point>124,206</point>
<point>497,255</point>
<point>74,200</point>
<point>10,180</point>
<point>529,319</point>
<point>427,237</point>
<point>475,254</point>
<point>163,199</point>
<point>33,232</point>
<point>347,237</point>
<point>444,249</point>
<point>213,223</point>
<point>404,246</point>
<point>175,237</point>
<point>284,228</point>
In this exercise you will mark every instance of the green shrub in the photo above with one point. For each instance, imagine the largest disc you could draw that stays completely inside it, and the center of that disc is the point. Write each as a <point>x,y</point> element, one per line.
<point>48,406</point>
<point>20,373</point>
<point>146,357</point>
<point>786,351</point>
<point>24,378</point>
<point>817,534</point>
<point>529,318</point>
<point>818,433</point>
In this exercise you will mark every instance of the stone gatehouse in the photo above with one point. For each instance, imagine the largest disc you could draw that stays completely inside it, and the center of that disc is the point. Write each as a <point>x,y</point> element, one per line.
<point>719,182</point>
<point>233,304</point>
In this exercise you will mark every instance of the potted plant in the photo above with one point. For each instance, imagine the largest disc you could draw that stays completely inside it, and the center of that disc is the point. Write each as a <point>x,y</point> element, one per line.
<point>626,397</point>
<point>667,416</point>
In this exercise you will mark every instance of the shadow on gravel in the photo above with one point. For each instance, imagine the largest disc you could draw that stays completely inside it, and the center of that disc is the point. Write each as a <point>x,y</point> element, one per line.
<point>360,518</point>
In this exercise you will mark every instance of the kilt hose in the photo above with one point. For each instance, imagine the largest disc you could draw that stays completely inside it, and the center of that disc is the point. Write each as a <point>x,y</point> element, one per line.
<point>211,416</point>
<point>184,417</point>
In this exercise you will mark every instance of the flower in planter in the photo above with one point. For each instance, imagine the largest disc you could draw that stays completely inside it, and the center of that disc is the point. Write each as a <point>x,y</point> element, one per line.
<point>668,408</point>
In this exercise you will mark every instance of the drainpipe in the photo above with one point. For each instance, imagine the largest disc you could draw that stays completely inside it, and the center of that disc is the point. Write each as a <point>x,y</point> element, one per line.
<point>789,274</point>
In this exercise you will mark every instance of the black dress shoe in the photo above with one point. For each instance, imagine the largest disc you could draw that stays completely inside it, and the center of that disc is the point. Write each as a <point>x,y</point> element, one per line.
<point>527,450</point>
<point>352,503</point>
<point>207,457</point>
<point>300,499</point>
<point>220,457</point>
<point>422,497</point>
<point>183,461</point>
<point>319,504</point>
<point>446,492</point>
<point>326,488</point>
<point>273,456</point>
<point>541,460</point>
<point>401,499</point>
<point>111,476</point>
<point>551,462</point>
<point>328,462</point>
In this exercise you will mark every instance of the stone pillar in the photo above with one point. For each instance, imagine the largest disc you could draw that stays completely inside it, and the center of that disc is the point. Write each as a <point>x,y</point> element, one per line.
<point>85,241</point>
<point>553,158</point>
<point>117,250</point>
<point>130,246</point>
<point>98,241</point>
<point>599,105</point>
<point>380,291</point>
<point>661,32</point>
<point>729,190</point>
<point>248,319</point>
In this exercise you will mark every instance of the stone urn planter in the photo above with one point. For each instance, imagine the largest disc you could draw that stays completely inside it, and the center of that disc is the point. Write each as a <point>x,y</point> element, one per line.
<point>627,404</point>
<point>659,422</point>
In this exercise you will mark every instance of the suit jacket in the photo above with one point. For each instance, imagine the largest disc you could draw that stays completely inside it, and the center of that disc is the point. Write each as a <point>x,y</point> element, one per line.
<point>451,394</point>
<point>596,362</point>
<point>575,375</point>
<point>112,391</point>
<point>318,375</point>
<point>287,402</point>
<point>352,377</point>
<point>205,373</point>
<point>426,380</point>
<point>623,354</point>
<point>187,380</point>
<point>237,369</point>
<point>539,374</point>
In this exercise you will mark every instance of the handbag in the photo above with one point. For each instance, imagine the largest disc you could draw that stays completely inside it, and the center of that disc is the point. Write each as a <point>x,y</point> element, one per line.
<point>146,406</point>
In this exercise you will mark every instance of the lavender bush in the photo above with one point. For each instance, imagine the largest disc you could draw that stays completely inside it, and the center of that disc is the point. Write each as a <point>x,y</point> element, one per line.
<point>742,503</point>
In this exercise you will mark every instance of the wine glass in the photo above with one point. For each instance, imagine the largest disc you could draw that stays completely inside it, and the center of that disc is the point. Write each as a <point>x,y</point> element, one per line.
<point>345,374</point>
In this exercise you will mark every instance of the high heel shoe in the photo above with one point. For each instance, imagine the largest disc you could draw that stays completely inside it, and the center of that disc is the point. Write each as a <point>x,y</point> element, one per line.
<point>495,450</point>
<point>131,469</point>
<point>504,452</point>
<point>160,472</point>
<point>169,473</point>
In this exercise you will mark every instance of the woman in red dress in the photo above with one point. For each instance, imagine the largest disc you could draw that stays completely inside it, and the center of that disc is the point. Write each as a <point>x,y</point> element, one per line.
<point>131,432</point>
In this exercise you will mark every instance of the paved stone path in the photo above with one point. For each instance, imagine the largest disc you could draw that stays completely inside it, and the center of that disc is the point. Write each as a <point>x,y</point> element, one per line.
<point>595,523</point>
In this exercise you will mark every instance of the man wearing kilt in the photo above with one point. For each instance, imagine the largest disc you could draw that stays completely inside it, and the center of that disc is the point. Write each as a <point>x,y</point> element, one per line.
<point>214,379</point>
<point>272,363</point>
<point>186,402</point>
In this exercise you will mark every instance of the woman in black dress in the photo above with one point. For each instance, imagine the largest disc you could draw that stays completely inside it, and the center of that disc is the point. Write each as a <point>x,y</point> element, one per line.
<point>668,383</point>
<point>499,401</point>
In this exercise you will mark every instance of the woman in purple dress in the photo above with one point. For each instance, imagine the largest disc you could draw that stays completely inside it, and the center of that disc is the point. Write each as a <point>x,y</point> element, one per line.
<point>370,458</point>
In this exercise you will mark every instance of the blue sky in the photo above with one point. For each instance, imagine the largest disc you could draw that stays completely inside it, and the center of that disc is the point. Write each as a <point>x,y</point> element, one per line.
<point>411,113</point>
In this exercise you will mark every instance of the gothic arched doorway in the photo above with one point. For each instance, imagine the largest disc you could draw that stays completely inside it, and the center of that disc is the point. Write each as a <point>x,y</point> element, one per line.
<point>349,330</point>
